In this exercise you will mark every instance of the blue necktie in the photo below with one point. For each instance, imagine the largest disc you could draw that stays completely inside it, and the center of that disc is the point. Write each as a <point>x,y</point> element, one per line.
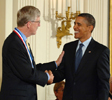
<point>78,56</point>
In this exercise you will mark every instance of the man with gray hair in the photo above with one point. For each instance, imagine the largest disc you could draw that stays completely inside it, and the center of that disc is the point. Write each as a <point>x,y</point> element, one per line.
<point>20,73</point>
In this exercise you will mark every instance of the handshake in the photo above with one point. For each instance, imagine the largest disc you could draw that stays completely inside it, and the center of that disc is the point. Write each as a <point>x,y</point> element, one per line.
<point>50,81</point>
<point>58,61</point>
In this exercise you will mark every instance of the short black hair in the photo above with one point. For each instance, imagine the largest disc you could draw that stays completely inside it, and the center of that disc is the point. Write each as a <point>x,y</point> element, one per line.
<point>89,18</point>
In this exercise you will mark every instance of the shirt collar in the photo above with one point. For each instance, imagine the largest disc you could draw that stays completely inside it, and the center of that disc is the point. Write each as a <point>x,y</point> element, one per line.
<point>85,43</point>
<point>23,36</point>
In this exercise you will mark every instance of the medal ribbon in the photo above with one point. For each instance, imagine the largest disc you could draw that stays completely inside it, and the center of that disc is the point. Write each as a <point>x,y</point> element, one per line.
<point>24,45</point>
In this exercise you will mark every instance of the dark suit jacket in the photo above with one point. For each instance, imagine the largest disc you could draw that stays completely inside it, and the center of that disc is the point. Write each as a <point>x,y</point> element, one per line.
<point>19,78</point>
<point>110,95</point>
<point>91,80</point>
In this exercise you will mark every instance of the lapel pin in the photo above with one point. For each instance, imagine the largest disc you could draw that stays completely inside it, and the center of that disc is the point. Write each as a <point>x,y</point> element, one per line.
<point>89,51</point>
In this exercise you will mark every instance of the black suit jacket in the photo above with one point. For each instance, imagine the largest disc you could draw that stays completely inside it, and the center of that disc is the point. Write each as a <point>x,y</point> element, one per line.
<point>91,80</point>
<point>19,78</point>
<point>110,95</point>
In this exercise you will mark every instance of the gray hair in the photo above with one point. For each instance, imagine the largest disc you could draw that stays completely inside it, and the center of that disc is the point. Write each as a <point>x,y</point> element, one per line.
<point>27,13</point>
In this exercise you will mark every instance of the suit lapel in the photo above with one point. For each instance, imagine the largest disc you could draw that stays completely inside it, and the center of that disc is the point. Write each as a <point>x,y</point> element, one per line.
<point>72,56</point>
<point>32,57</point>
<point>23,42</point>
<point>86,55</point>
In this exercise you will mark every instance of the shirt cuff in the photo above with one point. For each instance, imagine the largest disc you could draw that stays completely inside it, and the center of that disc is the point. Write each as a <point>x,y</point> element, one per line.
<point>56,65</point>
<point>48,76</point>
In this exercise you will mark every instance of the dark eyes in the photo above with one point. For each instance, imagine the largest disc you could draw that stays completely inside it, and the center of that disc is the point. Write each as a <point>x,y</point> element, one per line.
<point>79,24</point>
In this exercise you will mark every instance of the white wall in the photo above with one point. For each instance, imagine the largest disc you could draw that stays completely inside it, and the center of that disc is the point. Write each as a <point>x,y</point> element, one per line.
<point>44,44</point>
<point>2,33</point>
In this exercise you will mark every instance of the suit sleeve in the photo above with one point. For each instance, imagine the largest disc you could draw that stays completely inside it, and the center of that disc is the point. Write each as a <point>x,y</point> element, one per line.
<point>59,73</point>
<point>103,72</point>
<point>46,66</point>
<point>20,65</point>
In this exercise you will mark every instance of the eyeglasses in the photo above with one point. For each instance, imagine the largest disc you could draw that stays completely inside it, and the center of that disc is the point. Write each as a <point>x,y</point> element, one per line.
<point>36,21</point>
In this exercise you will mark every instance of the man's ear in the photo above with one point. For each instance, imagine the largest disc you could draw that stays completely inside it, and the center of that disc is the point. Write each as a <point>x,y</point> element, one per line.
<point>55,93</point>
<point>28,24</point>
<point>90,28</point>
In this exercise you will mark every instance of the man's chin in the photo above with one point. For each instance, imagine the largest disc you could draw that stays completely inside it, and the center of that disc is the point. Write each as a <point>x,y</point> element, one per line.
<point>33,33</point>
<point>75,37</point>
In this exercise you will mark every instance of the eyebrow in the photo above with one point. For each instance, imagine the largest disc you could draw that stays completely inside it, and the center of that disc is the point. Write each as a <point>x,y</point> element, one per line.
<point>77,23</point>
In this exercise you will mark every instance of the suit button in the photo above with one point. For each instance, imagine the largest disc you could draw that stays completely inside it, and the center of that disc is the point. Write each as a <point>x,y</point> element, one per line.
<point>74,83</point>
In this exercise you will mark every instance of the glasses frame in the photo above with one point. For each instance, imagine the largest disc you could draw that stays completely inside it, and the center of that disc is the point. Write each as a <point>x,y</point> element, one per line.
<point>36,21</point>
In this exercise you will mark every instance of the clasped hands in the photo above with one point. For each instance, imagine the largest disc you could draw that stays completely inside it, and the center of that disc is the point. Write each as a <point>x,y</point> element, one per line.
<point>50,81</point>
<point>58,61</point>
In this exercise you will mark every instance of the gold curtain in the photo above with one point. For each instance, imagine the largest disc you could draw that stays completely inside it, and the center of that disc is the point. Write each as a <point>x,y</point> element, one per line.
<point>110,34</point>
